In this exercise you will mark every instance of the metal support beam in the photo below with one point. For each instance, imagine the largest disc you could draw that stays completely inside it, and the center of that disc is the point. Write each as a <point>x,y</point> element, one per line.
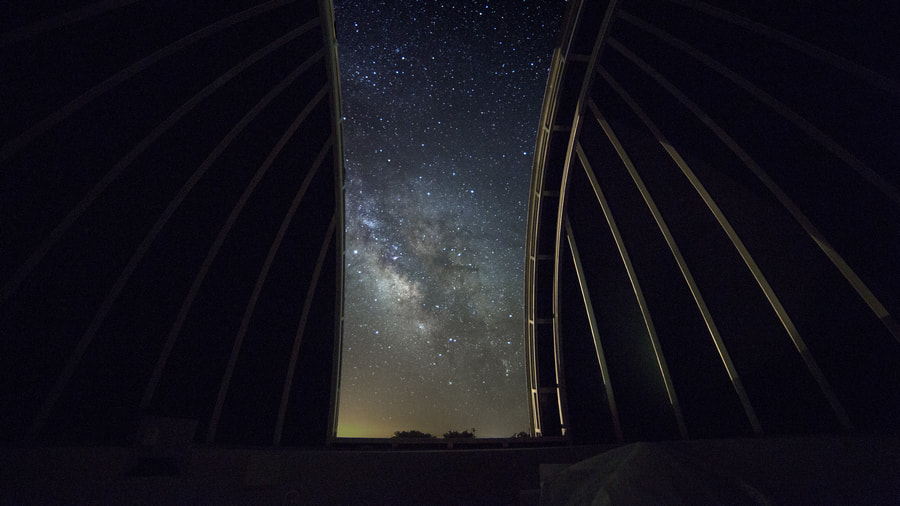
<point>760,278</point>
<point>873,78</point>
<point>264,274</point>
<point>213,251</point>
<point>595,331</point>
<point>116,171</point>
<point>813,133</point>
<point>683,267</point>
<point>301,328</point>
<point>113,174</point>
<point>638,292</point>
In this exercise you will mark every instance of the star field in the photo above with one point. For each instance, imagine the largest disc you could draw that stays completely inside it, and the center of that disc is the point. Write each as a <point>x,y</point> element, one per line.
<point>441,102</point>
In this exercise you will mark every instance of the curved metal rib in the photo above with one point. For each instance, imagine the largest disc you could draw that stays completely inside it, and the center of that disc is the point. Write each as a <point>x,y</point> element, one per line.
<point>261,280</point>
<point>685,270</point>
<point>811,50</point>
<point>636,287</point>
<point>760,278</point>
<point>609,17</point>
<point>595,331</point>
<point>814,133</point>
<point>536,209</point>
<point>56,234</point>
<point>119,285</point>
<point>67,18</point>
<point>301,327</point>
<point>326,9</point>
<point>100,316</point>
<point>130,71</point>
<point>188,302</point>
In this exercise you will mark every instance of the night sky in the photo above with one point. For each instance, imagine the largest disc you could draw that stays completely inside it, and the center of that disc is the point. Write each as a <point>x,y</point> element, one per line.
<point>441,103</point>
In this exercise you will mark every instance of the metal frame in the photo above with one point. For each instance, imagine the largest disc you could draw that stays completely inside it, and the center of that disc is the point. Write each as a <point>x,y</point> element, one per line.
<point>811,50</point>
<point>813,133</point>
<point>638,292</point>
<point>561,61</point>
<point>760,278</point>
<point>537,209</point>
<point>113,174</point>
<point>13,146</point>
<point>213,251</point>
<point>683,267</point>
<point>595,331</point>
<point>326,10</point>
<point>301,328</point>
<point>267,264</point>
<point>54,236</point>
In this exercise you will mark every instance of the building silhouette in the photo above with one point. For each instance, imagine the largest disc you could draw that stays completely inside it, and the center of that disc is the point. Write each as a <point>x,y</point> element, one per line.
<point>713,235</point>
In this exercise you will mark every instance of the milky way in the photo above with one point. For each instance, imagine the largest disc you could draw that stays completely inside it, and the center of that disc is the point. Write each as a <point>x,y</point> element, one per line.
<point>441,103</point>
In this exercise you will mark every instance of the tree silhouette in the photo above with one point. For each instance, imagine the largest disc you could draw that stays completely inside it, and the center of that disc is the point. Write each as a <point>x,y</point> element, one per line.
<point>463,434</point>
<point>412,434</point>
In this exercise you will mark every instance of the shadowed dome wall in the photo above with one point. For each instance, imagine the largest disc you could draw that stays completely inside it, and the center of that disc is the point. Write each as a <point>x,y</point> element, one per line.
<point>714,223</point>
<point>171,227</point>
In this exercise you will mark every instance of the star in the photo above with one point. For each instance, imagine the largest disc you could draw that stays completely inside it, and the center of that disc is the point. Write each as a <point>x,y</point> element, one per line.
<point>434,98</point>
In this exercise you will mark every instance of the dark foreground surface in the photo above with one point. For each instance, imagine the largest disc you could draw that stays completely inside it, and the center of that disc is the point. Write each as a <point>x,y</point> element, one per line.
<point>373,474</point>
<point>825,470</point>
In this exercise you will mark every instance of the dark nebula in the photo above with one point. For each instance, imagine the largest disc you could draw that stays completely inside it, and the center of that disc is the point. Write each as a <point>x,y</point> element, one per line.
<point>441,104</point>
